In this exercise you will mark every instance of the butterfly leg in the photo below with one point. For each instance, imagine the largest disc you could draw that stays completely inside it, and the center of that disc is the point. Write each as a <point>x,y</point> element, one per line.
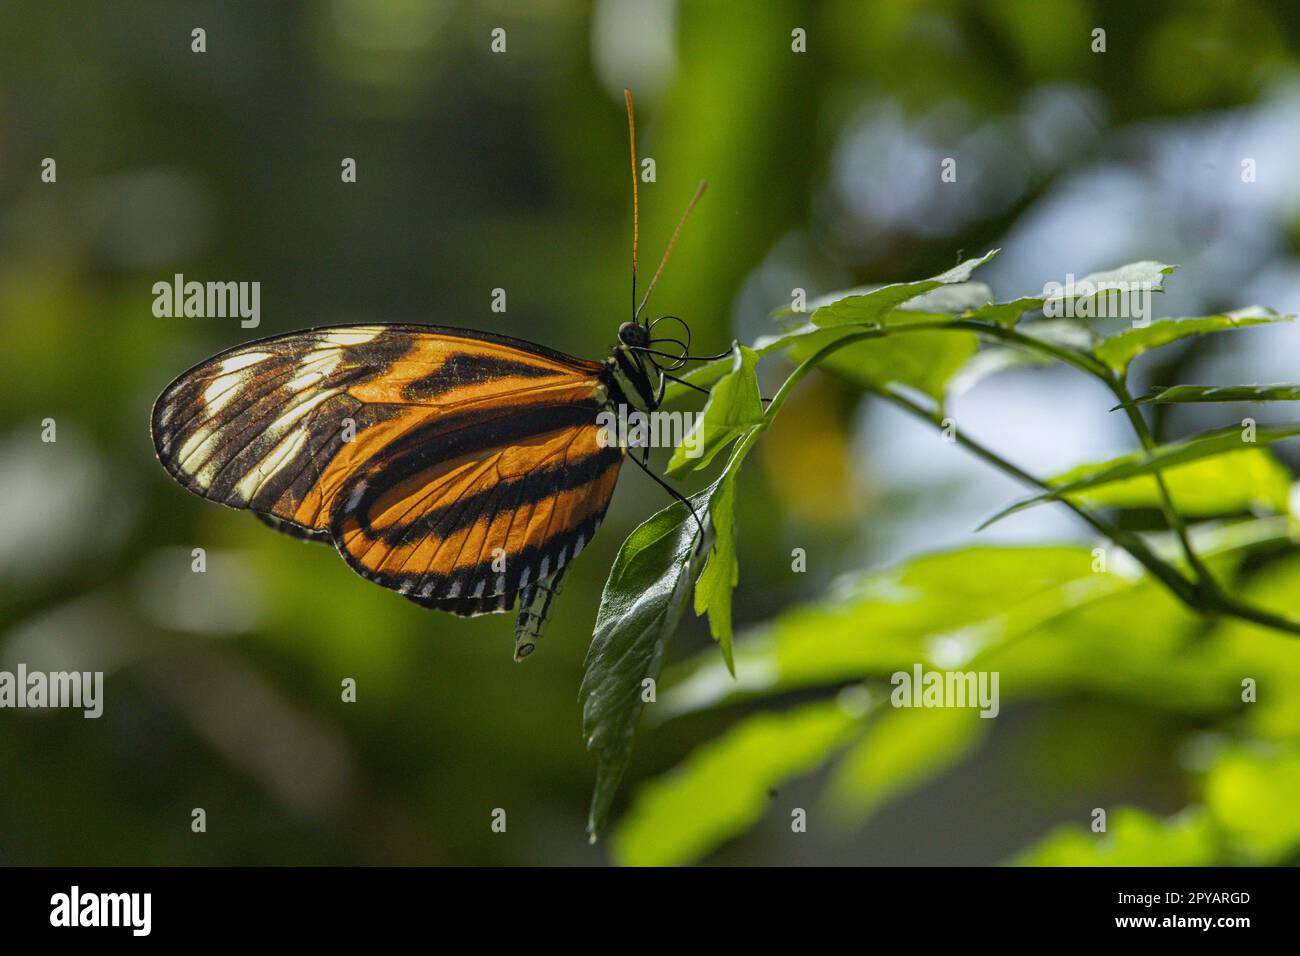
<point>663,388</point>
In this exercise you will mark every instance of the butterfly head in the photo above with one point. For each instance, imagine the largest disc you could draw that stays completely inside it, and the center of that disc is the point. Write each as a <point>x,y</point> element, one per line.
<point>641,358</point>
<point>634,335</point>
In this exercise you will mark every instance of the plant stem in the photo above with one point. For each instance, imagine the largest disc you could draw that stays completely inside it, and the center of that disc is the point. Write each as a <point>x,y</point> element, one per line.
<point>1172,516</point>
<point>1130,542</point>
<point>1201,601</point>
<point>1117,386</point>
<point>1101,372</point>
<point>1231,607</point>
<point>1203,596</point>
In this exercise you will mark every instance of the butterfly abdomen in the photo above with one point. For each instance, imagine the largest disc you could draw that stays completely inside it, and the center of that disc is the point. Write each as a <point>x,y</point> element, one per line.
<point>534,611</point>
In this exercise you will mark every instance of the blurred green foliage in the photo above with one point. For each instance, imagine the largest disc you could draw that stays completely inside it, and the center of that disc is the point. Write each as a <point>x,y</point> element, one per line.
<point>479,171</point>
<point>1053,628</point>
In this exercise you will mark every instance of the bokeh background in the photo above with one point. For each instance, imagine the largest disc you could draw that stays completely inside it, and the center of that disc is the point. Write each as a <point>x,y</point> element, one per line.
<point>477,171</point>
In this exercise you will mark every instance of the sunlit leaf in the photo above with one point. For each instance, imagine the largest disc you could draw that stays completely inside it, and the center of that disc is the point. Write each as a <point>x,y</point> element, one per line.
<point>734,405</point>
<point>1087,477</point>
<point>804,340</point>
<point>947,300</point>
<point>1067,333</point>
<point>1187,394</point>
<point>643,601</point>
<point>1251,816</point>
<point>725,785</point>
<point>870,308</point>
<point>1133,275</point>
<point>937,608</point>
<point>722,572</point>
<point>1132,838</point>
<point>925,361</point>
<point>1093,287</point>
<point>1119,350</point>
<point>901,749</point>
<point>1051,622</point>
<point>989,362</point>
<point>1004,313</point>
<point>706,374</point>
<point>1271,657</point>
<point>1043,613</point>
<point>1250,479</point>
<point>1254,797</point>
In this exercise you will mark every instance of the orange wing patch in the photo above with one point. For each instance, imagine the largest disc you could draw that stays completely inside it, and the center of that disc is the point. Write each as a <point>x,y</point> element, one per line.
<point>482,525</point>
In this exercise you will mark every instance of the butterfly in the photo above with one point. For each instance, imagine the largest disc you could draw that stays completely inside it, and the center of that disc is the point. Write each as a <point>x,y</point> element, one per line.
<point>463,469</point>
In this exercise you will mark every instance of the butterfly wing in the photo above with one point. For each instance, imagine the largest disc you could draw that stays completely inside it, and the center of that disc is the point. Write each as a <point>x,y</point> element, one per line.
<point>451,466</point>
<point>463,515</point>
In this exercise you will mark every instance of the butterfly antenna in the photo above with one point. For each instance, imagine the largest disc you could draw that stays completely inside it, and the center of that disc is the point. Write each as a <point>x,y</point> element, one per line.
<point>636,209</point>
<point>699,191</point>
<point>671,490</point>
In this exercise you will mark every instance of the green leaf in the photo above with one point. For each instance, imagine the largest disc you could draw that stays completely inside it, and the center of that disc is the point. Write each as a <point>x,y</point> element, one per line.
<point>1054,624</point>
<point>722,572</point>
<point>1135,274</point>
<point>1254,796</point>
<point>1207,445</point>
<point>910,358</point>
<point>946,300</point>
<point>1133,838</point>
<point>1187,394</point>
<point>707,373</point>
<point>1066,333</point>
<point>1251,816</point>
<point>1251,480</point>
<point>725,785</point>
<point>925,361</point>
<point>1042,613</point>
<point>733,411</point>
<point>643,601</point>
<point>1119,350</point>
<point>901,749</point>
<point>1006,314</point>
<point>1245,649</point>
<point>946,606</point>
<point>733,407</point>
<point>989,362</point>
<point>872,308</point>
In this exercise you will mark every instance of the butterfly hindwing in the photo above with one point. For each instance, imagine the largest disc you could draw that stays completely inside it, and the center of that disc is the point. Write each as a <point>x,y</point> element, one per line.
<point>461,523</point>
<point>429,457</point>
<point>293,530</point>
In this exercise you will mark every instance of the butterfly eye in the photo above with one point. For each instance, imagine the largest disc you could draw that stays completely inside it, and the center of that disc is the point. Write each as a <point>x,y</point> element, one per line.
<point>632,333</point>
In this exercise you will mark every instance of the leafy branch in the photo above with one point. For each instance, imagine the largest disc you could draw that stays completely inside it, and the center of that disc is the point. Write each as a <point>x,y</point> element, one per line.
<point>871,337</point>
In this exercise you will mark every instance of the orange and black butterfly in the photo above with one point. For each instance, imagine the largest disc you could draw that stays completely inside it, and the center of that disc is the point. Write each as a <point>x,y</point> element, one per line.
<point>462,469</point>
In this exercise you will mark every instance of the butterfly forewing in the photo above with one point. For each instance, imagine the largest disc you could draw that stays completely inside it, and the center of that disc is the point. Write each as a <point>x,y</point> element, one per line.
<point>446,464</point>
